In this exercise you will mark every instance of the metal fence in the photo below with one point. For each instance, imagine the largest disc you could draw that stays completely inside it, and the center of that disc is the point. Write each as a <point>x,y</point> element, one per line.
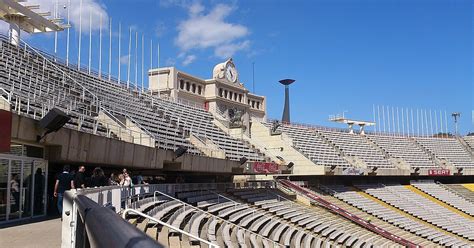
<point>92,216</point>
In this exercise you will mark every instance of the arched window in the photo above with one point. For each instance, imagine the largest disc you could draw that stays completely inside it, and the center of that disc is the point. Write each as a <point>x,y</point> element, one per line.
<point>240,97</point>
<point>187,86</point>
<point>230,95</point>
<point>258,105</point>
<point>220,92</point>
<point>253,104</point>
<point>199,89</point>
<point>194,88</point>
<point>225,93</point>
<point>181,84</point>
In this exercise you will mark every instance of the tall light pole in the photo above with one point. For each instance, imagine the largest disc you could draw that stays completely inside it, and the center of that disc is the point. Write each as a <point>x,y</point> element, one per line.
<point>456,116</point>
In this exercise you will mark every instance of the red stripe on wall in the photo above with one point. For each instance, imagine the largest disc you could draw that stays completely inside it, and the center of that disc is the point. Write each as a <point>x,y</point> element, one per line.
<point>5,130</point>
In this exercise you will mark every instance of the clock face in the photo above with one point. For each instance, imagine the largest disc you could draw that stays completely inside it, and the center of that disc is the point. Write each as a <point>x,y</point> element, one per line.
<point>231,73</point>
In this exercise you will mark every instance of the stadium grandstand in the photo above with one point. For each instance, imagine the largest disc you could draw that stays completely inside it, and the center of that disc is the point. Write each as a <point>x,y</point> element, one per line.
<point>209,167</point>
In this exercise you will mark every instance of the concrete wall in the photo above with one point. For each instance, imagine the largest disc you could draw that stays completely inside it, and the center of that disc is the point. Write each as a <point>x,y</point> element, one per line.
<point>72,146</point>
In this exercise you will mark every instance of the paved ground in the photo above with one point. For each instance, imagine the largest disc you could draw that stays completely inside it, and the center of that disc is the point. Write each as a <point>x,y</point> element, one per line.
<point>39,234</point>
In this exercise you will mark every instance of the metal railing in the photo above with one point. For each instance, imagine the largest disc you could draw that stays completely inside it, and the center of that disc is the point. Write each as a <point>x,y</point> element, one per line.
<point>99,226</point>
<point>275,244</point>
<point>126,211</point>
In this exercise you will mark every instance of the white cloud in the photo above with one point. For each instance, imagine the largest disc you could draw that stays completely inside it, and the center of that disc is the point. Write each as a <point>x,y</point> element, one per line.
<point>227,50</point>
<point>90,8</point>
<point>201,31</point>
<point>124,59</point>
<point>170,62</point>
<point>189,59</point>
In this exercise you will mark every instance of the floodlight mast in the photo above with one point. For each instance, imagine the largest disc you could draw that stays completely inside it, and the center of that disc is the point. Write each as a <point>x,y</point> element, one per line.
<point>21,17</point>
<point>456,116</point>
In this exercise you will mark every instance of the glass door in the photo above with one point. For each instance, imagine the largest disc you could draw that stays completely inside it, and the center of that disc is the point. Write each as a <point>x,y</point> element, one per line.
<point>4,191</point>
<point>39,189</point>
<point>14,185</point>
<point>22,188</point>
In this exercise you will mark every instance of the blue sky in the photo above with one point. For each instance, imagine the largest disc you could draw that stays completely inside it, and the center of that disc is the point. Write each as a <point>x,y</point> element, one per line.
<point>346,55</point>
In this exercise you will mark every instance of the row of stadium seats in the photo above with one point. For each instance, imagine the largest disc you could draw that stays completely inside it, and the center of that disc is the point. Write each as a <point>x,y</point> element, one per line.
<point>336,147</point>
<point>385,213</point>
<point>250,218</point>
<point>38,83</point>
<point>407,200</point>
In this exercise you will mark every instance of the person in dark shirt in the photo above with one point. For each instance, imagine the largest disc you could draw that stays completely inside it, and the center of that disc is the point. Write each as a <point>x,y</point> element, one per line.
<point>80,179</point>
<point>63,182</point>
<point>98,178</point>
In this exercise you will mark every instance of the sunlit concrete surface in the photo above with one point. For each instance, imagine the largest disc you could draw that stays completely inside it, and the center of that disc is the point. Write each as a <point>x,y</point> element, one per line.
<point>39,234</point>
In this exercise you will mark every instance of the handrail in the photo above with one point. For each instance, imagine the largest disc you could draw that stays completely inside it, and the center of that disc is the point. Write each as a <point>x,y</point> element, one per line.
<point>124,215</point>
<point>222,219</point>
<point>333,208</point>
<point>104,228</point>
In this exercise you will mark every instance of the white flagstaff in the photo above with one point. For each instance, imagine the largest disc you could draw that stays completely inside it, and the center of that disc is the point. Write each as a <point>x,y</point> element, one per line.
<point>373,115</point>
<point>158,77</point>
<point>431,123</point>
<point>446,122</point>
<point>56,15</point>
<point>412,124</point>
<point>403,122</point>
<point>383,117</point>
<point>119,53</point>
<point>417,123</point>
<point>110,48</point>
<point>100,46</point>
<point>67,31</point>
<point>441,120</point>
<point>426,123</point>
<point>90,42</point>
<point>136,60</point>
<point>151,54</point>
<point>422,123</point>
<point>388,118</point>
<point>80,36</point>
<point>436,121</point>
<point>378,117</point>
<point>398,122</point>
<point>143,60</point>
<point>408,122</point>
<point>393,120</point>
<point>129,55</point>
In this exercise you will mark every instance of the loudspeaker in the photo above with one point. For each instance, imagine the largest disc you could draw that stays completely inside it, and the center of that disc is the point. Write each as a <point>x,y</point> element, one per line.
<point>243,160</point>
<point>290,165</point>
<point>54,120</point>
<point>180,151</point>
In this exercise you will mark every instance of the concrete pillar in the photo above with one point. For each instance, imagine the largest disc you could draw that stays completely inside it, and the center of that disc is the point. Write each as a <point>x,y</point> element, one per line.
<point>362,129</point>
<point>351,130</point>
<point>14,21</point>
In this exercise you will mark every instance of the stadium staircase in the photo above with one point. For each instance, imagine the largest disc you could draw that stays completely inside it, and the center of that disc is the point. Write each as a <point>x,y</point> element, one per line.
<point>466,146</point>
<point>279,147</point>
<point>398,163</point>
<point>206,146</point>
<point>441,163</point>
<point>354,161</point>
<point>348,215</point>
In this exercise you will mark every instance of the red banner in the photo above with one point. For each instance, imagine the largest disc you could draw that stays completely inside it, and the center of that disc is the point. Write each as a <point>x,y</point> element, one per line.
<point>439,172</point>
<point>5,130</point>
<point>265,168</point>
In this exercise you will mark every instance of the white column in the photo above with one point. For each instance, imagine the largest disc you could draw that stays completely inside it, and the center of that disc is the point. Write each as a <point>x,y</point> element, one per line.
<point>110,48</point>
<point>80,37</point>
<point>100,46</point>
<point>129,56</point>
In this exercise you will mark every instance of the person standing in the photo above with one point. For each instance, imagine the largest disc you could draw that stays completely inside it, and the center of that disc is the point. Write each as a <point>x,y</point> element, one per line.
<point>80,178</point>
<point>15,189</point>
<point>63,182</point>
<point>98,178</point>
